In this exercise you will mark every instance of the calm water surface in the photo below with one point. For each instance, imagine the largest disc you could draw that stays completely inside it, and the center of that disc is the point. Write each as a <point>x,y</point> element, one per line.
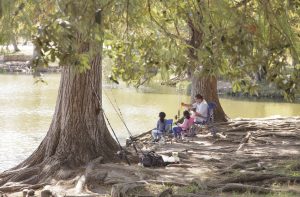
<point>27,108</point>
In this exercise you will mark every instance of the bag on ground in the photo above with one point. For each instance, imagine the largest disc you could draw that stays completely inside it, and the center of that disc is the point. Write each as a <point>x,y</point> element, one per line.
<point>152,159</point>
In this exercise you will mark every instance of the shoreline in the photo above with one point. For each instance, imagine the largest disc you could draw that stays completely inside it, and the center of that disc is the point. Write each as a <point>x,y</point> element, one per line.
<point>20,64</point>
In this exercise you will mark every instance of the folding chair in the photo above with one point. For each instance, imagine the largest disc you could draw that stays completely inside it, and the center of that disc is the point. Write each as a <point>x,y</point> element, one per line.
<point>169,127</point>
<point>210,118</point>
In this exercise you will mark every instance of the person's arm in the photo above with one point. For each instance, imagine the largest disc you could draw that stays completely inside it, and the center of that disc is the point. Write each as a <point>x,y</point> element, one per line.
<point>186,105</point>
<point>199,115</point>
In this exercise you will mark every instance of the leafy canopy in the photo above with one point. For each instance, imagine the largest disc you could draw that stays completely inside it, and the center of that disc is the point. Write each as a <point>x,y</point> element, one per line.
<point>235,39</point>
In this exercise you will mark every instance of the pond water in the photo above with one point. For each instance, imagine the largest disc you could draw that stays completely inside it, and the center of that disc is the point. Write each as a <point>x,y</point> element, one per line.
<point>27,108</point>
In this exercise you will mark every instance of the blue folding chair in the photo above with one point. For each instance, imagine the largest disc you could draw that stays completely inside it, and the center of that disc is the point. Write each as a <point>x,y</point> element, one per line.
<point>168,128</point>
<point>210,112</point>
<point>210,118</point>
<point>169,125</point>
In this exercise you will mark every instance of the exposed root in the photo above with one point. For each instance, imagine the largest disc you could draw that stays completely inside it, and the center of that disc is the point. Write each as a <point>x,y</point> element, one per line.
<point>2,194</point>
<point>279,134</point>
<point>286,179</point>
<point>250,177</point>
<point>127,189</point>
<point>30,177</point>
<point>13,187</point>
<point>236,187</point>
<point>124,189</point>
<point>244,141</point>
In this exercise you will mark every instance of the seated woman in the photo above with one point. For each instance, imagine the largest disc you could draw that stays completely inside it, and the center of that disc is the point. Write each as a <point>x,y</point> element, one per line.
<point>185,126</point>
<point>160,127</point>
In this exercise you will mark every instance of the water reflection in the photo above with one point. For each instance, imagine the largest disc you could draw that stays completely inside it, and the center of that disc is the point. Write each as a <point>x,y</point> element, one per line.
<point>27,108</point>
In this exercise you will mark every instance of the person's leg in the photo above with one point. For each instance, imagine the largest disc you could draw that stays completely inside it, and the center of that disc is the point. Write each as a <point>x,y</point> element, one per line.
<point>154,134</point>
<point>176,131</point>
<point>183,133</point>
<point>157,136</point>
<point>179,132</point>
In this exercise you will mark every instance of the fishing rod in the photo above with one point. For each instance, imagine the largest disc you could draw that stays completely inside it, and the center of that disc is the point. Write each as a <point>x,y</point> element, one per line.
<point>126,158</point>
<point>179,102</point>
<point>119,113</point>
<point>99,101</point>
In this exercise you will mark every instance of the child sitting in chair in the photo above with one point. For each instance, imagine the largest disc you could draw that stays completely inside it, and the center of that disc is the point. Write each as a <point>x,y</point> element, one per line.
<point>160,127</point>
<point>185,126</point>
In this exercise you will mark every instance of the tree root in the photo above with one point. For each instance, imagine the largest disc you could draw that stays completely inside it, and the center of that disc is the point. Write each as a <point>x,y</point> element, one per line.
<point>29,177</point>
<point>279,134</point>
<point>237,187</point>
<point>13,187</point>
<point>123,189</point>
<point>250,177</point>
<point>286,179</point>
<point>166,193</point>
<point>244,141</point>
<point>2,194</point>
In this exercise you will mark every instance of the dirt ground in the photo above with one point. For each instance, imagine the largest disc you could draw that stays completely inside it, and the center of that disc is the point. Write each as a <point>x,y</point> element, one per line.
<point>248,157</point>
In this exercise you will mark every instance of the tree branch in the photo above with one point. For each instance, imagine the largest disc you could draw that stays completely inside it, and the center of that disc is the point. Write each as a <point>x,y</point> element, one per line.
<point>127,18</point>
<point>163,28</point>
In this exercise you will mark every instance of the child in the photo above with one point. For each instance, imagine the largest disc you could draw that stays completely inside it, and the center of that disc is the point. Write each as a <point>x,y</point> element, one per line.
<point>160,127</point>
<point>185,126</point>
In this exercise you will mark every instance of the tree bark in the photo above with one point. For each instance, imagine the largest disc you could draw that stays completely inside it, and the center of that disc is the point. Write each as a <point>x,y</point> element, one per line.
<point>204,85</point>
<point>78,133</point>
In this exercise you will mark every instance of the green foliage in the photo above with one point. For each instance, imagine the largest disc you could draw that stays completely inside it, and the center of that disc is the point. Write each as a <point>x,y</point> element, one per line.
<point>15,19</point>
<point>234,39</point>
<point>70,31</point>
<point>1,9</point>
<point>223,38</point>
<point>139,59</point>
<point>68,36</point>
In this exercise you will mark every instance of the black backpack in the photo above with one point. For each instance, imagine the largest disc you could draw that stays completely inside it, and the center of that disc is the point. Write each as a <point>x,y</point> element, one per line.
<point>152,159</point>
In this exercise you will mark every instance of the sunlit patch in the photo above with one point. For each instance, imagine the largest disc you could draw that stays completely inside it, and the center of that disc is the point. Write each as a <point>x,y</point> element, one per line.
<point>288,151</point>
<point>204,143</point>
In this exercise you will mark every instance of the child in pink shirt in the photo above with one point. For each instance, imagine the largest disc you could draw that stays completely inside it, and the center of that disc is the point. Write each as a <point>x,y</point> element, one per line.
<point>185,126</point>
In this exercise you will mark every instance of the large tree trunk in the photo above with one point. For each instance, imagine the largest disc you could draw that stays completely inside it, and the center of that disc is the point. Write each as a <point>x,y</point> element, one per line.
<point>77,134</point>
<point>204,85</point>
